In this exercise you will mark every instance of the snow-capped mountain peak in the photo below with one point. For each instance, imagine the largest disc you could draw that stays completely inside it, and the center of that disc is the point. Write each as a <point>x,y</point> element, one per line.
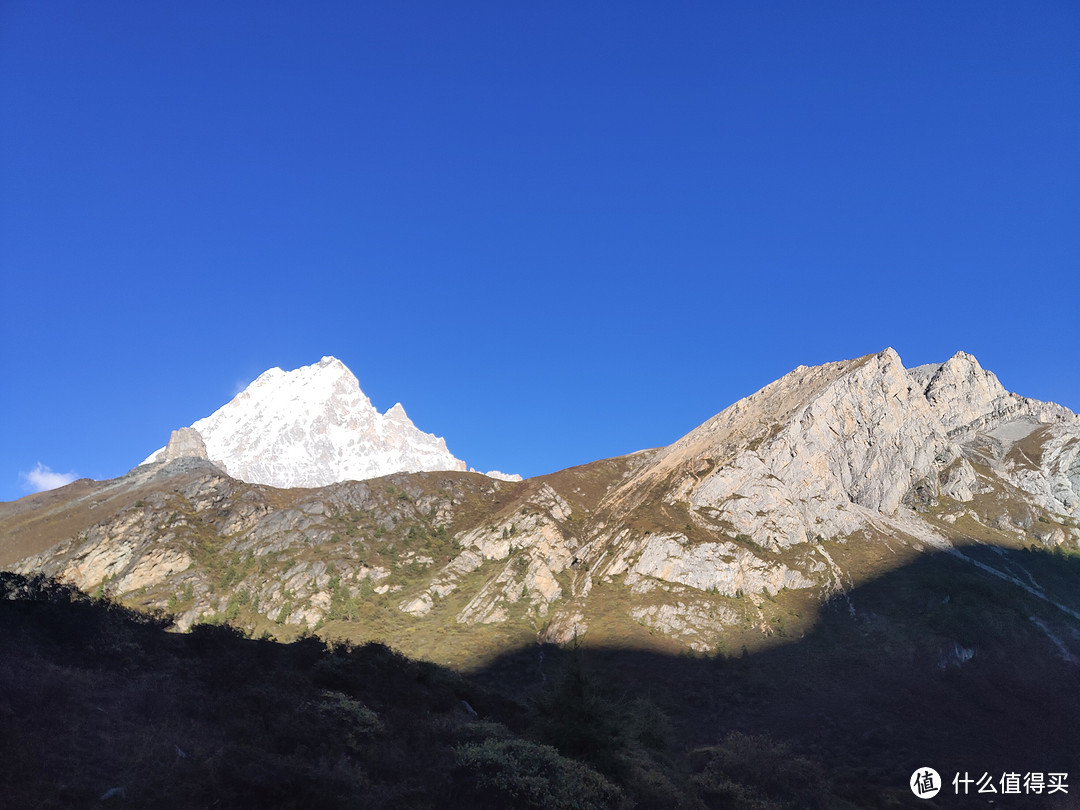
<point>314,426</point>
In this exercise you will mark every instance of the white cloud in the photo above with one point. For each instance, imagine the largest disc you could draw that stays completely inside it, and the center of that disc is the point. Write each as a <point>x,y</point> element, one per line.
<point>41,478</point>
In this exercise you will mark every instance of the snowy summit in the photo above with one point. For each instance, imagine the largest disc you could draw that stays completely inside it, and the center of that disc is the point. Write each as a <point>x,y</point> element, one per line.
<point>312,427</point>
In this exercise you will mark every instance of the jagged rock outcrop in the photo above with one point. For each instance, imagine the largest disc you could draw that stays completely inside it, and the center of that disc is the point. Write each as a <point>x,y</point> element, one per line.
<point>724,568</point>
<point>960,391</point>
<point>810,454</point>
<point>824,451</point>
<point>967,398</point>
<point>185,443</point>
<point>537,547</point>
<point>698,624</point>
<point>1042,460</point>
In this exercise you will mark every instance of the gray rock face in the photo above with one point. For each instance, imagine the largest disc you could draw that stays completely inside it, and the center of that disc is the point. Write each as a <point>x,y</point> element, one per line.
<point>827,451</point>
<point>697,624</point>
<point>960,391</point>
<point>1049,469</point>
<point>185,443</point>
<point>968,399</point>
<point>723,568</point>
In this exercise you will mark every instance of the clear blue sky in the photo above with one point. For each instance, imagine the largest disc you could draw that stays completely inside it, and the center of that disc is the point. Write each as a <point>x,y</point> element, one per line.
<point>554,231</point>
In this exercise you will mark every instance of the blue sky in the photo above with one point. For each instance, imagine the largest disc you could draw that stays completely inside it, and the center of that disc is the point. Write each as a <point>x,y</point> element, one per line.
<point>555,232</point>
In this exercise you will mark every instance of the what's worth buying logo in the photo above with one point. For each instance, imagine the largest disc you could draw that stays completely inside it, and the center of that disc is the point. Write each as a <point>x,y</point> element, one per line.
<point>926,783</point>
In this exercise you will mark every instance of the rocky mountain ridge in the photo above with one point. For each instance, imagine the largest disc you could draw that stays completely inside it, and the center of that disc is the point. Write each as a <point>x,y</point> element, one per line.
<point>822,480</point>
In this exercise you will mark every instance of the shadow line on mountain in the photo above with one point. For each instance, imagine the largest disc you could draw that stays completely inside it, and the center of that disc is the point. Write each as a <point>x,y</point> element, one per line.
<point>938,662</point>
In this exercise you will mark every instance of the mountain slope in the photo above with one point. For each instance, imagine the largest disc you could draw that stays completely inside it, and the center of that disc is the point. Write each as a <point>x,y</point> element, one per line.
<point>822,480</point>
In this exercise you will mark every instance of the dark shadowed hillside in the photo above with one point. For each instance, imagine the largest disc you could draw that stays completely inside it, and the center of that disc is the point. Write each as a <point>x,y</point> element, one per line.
<point>928,665</point>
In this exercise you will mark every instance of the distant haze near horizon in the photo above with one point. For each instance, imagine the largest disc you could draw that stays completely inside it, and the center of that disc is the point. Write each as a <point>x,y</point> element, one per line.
<point>553,234</point>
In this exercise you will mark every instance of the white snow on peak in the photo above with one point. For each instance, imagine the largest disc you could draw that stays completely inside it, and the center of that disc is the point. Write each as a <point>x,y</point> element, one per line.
<point>500,475</point>
<point>314,426</point>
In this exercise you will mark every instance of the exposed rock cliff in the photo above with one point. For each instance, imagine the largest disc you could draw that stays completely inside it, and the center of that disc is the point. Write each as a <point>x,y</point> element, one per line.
<point>184,443</point>
<point>828,450</point>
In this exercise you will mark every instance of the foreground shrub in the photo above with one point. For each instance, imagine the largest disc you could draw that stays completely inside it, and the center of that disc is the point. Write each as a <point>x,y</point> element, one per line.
<point>755,772</point>
<point>520,774</point>
<point>582,719</point>
<point>357,722</point>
